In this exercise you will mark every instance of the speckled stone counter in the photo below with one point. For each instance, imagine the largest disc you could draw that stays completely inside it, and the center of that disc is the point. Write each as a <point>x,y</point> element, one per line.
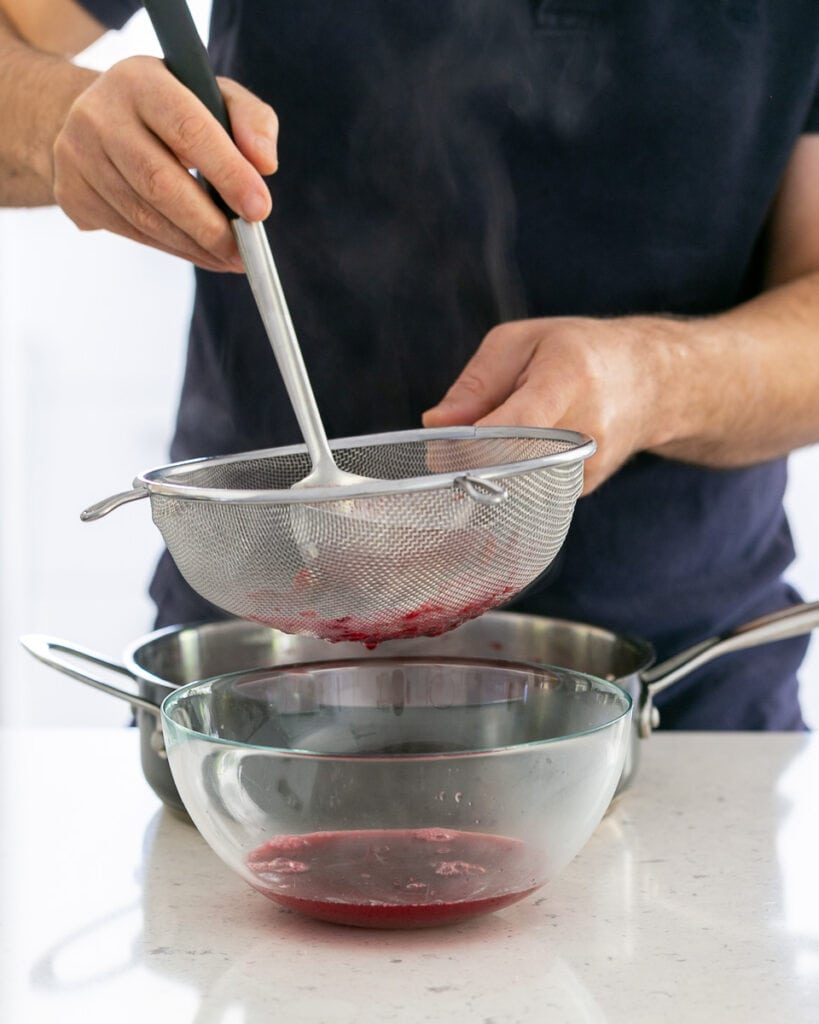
<point>696,900</point>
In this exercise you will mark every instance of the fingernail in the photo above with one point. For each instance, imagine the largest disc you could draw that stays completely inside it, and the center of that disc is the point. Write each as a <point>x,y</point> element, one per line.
<point>255,206</point>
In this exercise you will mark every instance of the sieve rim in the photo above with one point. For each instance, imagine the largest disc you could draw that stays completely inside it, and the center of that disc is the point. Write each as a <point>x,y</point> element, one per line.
<point>159,481</point>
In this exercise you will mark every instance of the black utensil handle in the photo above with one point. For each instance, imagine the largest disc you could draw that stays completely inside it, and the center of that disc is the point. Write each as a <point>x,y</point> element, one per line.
<point>187,60</point>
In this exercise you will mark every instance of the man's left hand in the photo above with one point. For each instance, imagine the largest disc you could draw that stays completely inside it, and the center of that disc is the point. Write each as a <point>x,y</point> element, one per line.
<point>605,378</point>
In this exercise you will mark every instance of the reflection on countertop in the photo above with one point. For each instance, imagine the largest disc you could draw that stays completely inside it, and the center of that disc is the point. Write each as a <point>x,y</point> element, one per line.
<point>695,900</point>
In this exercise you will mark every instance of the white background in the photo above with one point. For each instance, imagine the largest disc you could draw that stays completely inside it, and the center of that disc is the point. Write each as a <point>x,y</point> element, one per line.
<point>92,339</point>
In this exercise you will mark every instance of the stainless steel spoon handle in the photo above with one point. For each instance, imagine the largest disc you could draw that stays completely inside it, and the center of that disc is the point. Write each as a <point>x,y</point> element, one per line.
<point>267,291</point>
<point>187,59</point>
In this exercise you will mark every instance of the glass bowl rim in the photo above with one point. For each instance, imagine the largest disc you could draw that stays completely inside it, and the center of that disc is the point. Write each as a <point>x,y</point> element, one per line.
<point>180,694</point>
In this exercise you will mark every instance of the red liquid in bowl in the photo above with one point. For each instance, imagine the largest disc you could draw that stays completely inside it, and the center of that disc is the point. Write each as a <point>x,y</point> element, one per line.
<point>394,878</point>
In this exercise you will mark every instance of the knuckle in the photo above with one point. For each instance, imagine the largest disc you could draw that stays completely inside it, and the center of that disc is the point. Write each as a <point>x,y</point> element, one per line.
<point>145,219</point>
<point>62,196</point>
<point>210,235</point>
<point>123,73</point>
<point>75,118</point>
<point>62,151</point>
<point>587,361</point>
<point>124,68</point>
<point>160,184</point>
<point>573,350</point>
<point>66,199</point>
<point>472,383</point>
<point>132,69</point>
<point>497,336</point>
<point>229,176</point>
<point>69,145</point>
<point>88,107</point>
<point>189,131</point>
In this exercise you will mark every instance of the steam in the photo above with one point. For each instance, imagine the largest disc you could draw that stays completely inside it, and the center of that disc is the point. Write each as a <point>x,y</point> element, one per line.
<point>407,252</point>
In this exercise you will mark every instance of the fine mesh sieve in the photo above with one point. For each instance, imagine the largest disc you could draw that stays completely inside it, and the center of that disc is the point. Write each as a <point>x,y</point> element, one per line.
<point>458,521</point>
<point>371,538</point>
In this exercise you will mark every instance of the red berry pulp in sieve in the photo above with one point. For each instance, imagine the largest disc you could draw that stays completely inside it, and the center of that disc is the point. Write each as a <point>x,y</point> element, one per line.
<point>432,618</point>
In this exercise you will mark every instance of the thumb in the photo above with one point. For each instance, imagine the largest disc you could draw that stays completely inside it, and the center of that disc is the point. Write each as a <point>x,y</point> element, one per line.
<point>488,378</point>
<point>254,125</point>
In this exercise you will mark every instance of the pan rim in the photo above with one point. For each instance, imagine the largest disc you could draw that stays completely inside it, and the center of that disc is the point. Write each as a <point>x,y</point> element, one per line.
<point>607,686</point>
<point>643,650</point>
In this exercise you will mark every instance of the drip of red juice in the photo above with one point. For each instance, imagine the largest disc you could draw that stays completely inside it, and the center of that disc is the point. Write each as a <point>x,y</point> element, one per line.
<point>394,878</point>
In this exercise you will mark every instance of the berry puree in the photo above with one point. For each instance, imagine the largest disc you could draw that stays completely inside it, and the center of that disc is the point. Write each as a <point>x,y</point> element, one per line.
<point>432,618</point>
<point>394,878</point>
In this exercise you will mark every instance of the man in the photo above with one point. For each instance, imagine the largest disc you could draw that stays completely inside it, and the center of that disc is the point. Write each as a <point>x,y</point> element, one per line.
<point>618,197</point>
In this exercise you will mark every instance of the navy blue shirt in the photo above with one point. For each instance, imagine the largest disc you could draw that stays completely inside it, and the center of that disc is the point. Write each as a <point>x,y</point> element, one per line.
<point>447,165</point>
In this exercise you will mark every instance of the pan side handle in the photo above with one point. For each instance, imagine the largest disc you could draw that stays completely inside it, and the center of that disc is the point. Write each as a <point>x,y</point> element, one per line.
<point>783,625</point>
<point>67,658</point>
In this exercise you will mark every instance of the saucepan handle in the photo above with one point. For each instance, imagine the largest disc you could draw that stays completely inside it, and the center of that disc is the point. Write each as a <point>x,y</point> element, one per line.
<point>67,658</point>
<point>791,622</point>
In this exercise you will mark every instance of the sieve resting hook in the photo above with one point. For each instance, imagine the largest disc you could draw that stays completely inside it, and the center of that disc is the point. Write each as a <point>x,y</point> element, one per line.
<point>485,492</point>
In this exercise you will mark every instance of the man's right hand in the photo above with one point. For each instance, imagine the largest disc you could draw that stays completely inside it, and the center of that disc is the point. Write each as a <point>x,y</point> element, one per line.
<point>122,155</point>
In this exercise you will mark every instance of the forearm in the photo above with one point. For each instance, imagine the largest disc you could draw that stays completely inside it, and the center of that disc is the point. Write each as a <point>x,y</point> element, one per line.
<point>36,92</point>
<point>742,387</point>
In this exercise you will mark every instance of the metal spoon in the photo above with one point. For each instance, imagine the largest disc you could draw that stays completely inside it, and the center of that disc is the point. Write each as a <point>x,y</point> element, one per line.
<point>187,59</point>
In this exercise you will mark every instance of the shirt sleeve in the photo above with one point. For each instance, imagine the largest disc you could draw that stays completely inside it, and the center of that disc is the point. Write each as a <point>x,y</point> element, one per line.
<point>111,13</point>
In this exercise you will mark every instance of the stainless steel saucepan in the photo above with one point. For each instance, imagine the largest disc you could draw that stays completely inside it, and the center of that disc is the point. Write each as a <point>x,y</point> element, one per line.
<point>160,662</point>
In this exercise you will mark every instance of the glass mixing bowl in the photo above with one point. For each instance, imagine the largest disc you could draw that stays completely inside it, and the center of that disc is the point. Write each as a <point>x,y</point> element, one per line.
<point>397,792</point>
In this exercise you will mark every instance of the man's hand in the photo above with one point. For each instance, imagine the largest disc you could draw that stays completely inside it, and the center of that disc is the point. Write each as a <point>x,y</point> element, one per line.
<point>605,378</point>
<point>122,156</point>
<point>114,150</point>
<point>728,390</point>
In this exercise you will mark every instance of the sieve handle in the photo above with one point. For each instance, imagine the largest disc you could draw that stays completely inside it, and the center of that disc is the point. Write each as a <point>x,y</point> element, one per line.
<point>64,657</point>
<point>102,508</point>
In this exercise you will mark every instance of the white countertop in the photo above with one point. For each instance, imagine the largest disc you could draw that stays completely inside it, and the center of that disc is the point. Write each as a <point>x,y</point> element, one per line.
<point>696,900</point>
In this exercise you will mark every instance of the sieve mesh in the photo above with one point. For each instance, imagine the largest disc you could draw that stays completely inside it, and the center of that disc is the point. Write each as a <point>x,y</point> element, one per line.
<point>377,567</point>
